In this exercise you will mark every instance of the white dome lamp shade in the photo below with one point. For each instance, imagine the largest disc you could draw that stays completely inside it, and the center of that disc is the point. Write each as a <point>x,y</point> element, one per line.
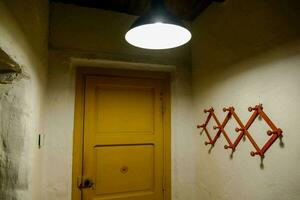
<point>158,29</point>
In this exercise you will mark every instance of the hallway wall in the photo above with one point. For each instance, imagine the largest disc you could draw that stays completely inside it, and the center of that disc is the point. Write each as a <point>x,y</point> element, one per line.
<point>245,53</point>
<point>86,37</point>
<point>24,37</point>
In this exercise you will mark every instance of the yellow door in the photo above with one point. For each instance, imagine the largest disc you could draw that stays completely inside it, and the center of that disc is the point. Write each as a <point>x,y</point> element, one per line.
<point>123,139</point>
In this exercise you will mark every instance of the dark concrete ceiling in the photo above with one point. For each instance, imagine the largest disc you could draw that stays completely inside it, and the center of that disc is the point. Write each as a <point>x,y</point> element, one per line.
<point>185,9</point>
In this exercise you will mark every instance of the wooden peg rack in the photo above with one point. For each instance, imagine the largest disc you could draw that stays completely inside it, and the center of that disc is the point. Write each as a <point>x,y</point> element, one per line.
<point>242,130</point>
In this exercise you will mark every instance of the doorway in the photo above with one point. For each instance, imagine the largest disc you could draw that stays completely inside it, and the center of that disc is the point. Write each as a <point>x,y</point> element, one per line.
<point>122,135</point>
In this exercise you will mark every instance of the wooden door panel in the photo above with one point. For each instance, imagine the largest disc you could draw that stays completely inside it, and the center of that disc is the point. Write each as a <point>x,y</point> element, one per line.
<point>125,110</point>
<point>124,169</point>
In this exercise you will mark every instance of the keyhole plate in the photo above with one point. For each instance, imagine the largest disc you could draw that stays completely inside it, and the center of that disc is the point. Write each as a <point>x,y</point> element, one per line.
<point>124,169</point>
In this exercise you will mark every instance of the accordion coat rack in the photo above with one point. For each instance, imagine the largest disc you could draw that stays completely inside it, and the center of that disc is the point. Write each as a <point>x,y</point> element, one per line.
<point>242,130</point>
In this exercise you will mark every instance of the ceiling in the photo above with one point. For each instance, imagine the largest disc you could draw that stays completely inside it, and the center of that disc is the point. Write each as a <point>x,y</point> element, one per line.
<point>184,9</point>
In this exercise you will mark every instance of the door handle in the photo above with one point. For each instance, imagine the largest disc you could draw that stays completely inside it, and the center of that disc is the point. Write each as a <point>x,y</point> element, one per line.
<point>84,183</point>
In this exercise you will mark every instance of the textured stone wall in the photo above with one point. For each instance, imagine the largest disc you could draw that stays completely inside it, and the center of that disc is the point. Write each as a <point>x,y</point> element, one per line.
<point>13,148</point>
<point>24,37</point>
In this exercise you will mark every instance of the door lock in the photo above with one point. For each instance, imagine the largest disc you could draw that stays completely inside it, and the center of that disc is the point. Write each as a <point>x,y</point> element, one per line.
<point>84,183</point>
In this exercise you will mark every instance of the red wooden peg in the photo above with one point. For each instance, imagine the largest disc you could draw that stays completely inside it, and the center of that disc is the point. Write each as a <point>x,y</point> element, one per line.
<point>200,126</point>
<point>277,132</point>
<point>238,129</point>
<point>229,109</point>
<point>209,110</point>
<point>259,106</point>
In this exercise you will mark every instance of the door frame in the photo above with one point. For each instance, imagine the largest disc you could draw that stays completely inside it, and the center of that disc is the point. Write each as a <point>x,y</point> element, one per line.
<point>81,74</point>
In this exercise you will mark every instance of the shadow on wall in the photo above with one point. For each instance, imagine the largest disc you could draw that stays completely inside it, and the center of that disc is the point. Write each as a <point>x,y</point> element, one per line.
<point>237,31</point>
<point>270,68</point>
<point>270,60</point>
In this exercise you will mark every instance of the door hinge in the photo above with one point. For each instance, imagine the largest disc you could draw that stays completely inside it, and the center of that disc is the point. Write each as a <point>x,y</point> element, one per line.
<point>162,109</point>
<point>162,104</point>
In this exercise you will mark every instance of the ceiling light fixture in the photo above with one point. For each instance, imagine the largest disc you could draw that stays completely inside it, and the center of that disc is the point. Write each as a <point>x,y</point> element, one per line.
<point>158,29</point>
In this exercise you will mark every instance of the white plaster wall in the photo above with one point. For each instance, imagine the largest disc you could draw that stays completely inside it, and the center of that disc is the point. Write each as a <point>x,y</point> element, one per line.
<point>245,53</point>
<point>93,35</point>
<point>23,35</point>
